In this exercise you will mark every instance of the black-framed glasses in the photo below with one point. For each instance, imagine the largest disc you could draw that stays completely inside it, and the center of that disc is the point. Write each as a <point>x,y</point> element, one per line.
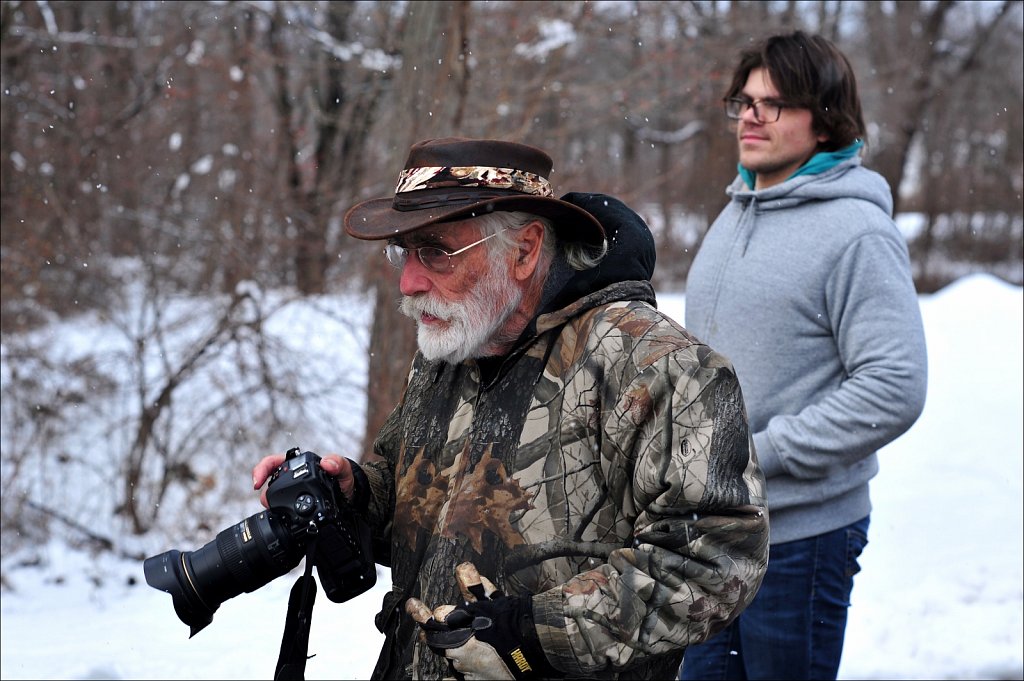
<point>435,259</point>
<point>765,110</point>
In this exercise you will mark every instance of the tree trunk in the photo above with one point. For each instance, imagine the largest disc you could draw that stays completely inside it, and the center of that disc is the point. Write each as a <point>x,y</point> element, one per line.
<point>430,93</point>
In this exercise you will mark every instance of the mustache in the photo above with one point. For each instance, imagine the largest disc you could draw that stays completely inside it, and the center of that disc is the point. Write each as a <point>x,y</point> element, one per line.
<point>416,305</point>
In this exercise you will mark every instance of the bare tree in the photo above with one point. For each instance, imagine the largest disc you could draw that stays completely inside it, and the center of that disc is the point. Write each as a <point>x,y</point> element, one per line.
<point>969,192</point>
<point>916,52</point>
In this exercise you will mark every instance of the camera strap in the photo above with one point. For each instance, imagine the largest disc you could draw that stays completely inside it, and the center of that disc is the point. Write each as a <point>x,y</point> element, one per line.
<point>291,661</point>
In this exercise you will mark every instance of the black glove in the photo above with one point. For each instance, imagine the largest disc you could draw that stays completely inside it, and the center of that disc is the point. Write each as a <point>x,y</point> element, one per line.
<point>491,636</point>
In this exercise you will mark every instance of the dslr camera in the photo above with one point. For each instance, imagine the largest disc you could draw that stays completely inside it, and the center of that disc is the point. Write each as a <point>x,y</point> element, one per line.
<point>306,512</point>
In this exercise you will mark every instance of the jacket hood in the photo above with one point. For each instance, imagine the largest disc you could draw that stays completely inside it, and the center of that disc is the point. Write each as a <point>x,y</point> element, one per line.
<point>631,253</point>
<point>848,179</point>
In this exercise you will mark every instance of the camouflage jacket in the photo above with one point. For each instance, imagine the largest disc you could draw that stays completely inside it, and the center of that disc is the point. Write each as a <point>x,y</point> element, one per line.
<point>605,467</point>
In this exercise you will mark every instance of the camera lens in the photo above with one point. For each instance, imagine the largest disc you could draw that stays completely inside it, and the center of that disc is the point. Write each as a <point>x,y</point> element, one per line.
<point>243,557</point>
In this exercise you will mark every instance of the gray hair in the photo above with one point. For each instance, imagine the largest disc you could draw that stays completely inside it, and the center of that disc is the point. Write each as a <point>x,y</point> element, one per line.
<point>579,256</point>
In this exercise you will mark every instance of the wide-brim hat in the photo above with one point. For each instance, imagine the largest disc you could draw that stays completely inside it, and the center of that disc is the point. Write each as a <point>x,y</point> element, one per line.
<point>455,178</point>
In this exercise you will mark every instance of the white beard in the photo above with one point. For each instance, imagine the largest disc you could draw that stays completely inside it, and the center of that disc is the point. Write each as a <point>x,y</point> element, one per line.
<point>472,325</point>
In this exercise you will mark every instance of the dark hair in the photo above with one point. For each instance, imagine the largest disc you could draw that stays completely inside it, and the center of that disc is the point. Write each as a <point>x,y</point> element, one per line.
<point>810,72</point>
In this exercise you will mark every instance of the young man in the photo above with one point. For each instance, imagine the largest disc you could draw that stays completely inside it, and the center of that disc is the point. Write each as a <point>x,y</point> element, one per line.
<point>567,485</point>
<point>804,283</point>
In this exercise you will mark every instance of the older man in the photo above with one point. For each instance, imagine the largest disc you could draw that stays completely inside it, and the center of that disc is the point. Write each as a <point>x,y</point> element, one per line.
<point>568,485</point>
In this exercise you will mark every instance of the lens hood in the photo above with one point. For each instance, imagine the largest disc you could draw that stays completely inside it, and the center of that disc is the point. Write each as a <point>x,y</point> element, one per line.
<point>167,572</point>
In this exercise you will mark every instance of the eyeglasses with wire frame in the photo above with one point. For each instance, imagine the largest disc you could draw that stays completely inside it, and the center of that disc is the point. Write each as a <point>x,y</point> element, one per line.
<point>765,110</point>
<point>433,258</point>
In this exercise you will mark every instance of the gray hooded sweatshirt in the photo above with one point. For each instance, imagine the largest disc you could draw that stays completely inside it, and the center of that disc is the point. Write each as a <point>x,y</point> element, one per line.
<point>806,288</point>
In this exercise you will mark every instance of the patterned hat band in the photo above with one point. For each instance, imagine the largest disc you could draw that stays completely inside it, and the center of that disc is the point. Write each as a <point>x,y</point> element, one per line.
<point>437,177</point>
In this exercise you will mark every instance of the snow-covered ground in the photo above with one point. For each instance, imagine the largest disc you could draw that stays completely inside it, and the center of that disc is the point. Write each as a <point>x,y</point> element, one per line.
<point>941,594</point>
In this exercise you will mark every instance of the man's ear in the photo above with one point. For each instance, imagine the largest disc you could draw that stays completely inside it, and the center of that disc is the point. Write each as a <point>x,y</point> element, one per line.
<point>529,243</point>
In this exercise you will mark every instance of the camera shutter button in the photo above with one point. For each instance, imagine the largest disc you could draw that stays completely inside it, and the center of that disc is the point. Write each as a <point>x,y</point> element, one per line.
<point>304,504</point>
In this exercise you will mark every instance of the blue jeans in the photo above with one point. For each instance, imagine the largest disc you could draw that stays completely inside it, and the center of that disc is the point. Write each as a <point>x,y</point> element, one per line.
<point>794,627</point>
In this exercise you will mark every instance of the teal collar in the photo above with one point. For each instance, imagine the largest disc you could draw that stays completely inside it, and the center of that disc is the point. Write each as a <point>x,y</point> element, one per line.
<point>818,163</point>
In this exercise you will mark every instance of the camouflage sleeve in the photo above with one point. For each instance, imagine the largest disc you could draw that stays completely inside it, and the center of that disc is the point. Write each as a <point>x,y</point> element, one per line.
<point>382,495</point>
<point>380,473</point>
<point>700,535</point>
